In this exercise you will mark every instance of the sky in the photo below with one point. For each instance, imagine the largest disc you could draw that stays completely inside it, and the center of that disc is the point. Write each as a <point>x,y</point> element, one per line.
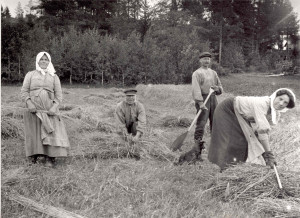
<point>12,5</point>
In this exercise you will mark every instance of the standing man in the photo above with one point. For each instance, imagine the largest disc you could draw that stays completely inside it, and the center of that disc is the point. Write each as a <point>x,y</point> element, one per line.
<point>131,116</point>
<point>202,79</point>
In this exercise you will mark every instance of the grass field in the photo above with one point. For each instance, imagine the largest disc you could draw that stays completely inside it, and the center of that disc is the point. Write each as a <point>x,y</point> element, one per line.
<point>98,179</point>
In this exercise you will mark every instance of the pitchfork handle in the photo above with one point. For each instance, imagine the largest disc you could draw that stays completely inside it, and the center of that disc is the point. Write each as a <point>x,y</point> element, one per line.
<point>277,176</point>
<point>199,112</point>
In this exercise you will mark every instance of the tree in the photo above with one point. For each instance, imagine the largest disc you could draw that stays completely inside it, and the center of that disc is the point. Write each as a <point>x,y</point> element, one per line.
<point>29,7</point>
<point>19,10</point>
<point>5,13</point>
<point>222,14</point>
<point>145,19</point>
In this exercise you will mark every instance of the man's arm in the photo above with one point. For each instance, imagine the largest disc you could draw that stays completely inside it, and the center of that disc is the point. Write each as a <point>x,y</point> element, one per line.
<point>197,94</point>
<point>142,120</point>
<point>120,118</point>
<point>219,88</point>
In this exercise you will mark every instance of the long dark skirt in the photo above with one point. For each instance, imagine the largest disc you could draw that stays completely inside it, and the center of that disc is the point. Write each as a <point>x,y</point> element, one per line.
<point>228,143</point>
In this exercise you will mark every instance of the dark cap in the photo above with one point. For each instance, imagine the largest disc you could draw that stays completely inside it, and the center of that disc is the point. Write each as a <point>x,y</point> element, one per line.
<point>130,92</point>
<point>205,54</point>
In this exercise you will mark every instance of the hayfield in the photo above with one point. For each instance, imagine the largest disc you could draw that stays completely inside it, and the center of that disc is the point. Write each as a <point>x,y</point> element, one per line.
<point>101,177</point>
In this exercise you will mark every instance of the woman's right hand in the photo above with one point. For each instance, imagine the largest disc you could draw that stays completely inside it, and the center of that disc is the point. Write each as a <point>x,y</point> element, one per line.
<point>31,106</point>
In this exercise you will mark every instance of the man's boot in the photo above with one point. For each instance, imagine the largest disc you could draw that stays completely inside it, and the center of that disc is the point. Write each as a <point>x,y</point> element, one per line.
<point>193,155</point>
<point>199,146</point>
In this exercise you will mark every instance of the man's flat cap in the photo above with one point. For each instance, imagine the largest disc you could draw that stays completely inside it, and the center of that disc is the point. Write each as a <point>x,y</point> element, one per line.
<point>205,54</point>
<point>130,92</point>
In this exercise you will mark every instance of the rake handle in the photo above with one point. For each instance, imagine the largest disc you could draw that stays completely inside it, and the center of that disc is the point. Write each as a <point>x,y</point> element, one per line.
<point>199,112</point>
<point>277,177</point>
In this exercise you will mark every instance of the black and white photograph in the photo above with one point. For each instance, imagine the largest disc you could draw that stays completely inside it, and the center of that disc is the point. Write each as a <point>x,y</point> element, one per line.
<point>150,108</point>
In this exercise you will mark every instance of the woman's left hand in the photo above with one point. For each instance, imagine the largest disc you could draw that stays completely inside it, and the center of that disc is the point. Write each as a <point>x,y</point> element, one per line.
<point>52,110</point>
<point>269,159</point>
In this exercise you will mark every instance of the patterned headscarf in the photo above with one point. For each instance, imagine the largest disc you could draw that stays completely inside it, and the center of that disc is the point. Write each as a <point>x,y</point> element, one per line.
<point>273,111</point>
<point>50,69</point>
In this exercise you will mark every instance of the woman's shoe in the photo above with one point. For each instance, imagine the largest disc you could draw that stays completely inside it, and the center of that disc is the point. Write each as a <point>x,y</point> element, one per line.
<point>49,161</point>
<point>33,159</point>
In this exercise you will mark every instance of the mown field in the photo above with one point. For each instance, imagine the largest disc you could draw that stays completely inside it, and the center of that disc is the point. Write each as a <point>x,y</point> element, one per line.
<point>100,179</point>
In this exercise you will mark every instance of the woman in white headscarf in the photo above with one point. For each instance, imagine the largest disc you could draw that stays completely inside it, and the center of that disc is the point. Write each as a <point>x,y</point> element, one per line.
<point>45,133</point>
<point>241,128</point>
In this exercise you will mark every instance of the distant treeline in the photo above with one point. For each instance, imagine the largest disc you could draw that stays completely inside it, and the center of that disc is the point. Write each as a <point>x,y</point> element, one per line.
<point>129,41</point>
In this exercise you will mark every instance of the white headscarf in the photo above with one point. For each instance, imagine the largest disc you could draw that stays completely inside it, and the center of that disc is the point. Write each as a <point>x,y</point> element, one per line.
<point>50,69</point>
<point>273,111</point>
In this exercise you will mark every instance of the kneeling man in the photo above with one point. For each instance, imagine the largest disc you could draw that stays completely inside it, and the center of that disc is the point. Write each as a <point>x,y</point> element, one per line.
<point>131,116</point>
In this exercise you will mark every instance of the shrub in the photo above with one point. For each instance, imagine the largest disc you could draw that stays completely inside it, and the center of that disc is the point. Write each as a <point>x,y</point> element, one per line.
<point>232,56</point>
<point>219,69</point>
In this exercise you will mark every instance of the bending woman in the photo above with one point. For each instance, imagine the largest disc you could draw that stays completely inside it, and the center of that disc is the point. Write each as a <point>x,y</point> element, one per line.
<point>45,133</point>
<point>241,128</point>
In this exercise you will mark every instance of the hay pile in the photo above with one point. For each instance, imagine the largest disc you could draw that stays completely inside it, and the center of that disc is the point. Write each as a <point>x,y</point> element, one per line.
<point>173,121</point>
<point>257,186</point>
<point>248,181</point>
<point>277,207</point>
<point>153,146</point>
<point>107,143</point>
<point>285,142</point>
<point>67,107</point>
<point>11,128</point>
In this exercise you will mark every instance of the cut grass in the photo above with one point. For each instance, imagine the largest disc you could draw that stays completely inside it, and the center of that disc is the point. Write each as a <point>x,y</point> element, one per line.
<point>94,182</point>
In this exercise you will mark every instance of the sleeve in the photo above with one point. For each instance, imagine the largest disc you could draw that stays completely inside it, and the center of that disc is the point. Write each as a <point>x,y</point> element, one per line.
<point>197,94</point>
<point>57,90</point>
<point>142,120</point>
<point>218,83</point>
<point>25,90</point>
<point>263,126</point>
<point>119,116</point>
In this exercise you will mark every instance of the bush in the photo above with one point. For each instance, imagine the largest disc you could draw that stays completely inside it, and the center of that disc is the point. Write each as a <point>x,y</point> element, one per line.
<point>219,69</point>
<point>232,56</point>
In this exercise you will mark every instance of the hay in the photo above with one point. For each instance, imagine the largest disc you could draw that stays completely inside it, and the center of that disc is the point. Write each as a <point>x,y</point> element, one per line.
<point>96,99</point>
<point>113,145</point>
<point>12,111</point>
<point>104,127</point>
<point>285,140</point>
<point>246,182</point>
<point>114,89</point>
<point>170,121</point>
<point>167,95</point>
<point>11,128</point>
<point>277,207</point>
<point>185,122</point>
<point>173,121</point>
<point>67,107</point>
<point>117,95</point>
<point>75,113</point>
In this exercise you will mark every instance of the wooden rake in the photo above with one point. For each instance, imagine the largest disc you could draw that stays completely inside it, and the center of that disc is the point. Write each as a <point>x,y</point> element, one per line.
<point>180,139</point>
